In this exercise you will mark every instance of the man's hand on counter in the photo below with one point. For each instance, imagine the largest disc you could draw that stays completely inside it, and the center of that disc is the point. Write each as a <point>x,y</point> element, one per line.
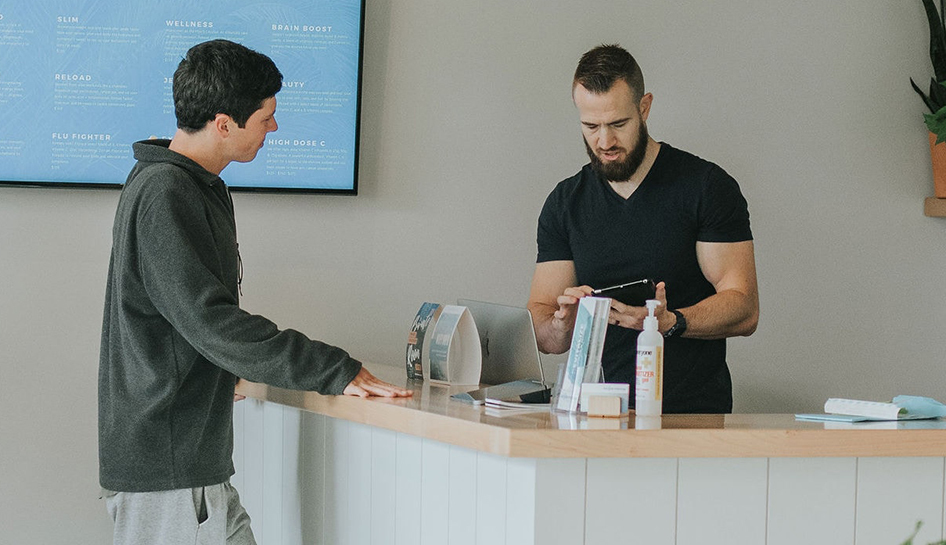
<point>365,384</point>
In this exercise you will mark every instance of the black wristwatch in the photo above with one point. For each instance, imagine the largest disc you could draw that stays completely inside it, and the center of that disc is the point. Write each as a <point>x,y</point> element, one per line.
<point>678,328</point>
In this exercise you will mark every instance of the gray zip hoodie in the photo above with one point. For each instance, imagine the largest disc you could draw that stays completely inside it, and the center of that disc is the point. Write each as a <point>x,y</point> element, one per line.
<point>174,338</point>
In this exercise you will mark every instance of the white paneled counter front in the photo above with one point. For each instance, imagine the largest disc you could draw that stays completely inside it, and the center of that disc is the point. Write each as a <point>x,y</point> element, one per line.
<point>428,470</point>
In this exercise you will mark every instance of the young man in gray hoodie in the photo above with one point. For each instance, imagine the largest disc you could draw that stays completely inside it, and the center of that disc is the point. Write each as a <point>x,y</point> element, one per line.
<point>174,339</point>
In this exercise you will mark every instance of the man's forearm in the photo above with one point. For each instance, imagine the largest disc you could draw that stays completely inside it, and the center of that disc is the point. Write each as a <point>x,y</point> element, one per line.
<point>729,313</point>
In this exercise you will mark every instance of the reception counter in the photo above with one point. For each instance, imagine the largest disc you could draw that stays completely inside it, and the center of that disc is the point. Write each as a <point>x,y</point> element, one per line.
<point>428,469</point>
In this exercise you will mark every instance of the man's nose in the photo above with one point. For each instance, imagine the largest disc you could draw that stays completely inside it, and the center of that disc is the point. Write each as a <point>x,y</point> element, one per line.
<point>606,138</point>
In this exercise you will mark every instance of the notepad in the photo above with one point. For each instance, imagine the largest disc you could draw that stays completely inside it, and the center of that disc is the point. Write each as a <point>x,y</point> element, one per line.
<point>856,410</point>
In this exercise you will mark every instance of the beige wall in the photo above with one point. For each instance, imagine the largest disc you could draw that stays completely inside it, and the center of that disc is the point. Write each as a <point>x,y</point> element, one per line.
<point>467,125</point>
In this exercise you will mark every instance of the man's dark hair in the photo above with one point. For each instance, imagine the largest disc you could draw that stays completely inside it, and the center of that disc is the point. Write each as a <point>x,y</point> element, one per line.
<point>222,77</point>
<point>600,68</point>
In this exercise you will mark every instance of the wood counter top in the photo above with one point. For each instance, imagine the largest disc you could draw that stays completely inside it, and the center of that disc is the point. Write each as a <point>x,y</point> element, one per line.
<point>431,414</point>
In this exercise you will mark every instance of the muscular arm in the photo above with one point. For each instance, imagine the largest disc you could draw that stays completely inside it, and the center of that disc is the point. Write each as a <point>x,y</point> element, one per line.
<point>553,301</point>
<point>734,309</point>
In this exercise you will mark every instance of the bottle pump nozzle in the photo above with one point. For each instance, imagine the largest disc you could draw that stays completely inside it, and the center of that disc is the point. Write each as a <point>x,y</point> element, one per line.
<point>650,322</point>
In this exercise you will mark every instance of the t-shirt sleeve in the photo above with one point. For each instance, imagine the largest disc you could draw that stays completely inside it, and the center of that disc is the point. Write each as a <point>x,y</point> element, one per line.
<point>724,213</point>
<point>551,237</point>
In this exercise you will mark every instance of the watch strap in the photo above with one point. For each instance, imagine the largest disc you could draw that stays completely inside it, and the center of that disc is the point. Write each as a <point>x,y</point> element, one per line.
<point>678,328</point>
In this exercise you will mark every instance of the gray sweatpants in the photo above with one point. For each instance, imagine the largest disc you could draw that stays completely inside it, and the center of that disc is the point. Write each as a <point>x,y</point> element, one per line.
<point>211,515</point>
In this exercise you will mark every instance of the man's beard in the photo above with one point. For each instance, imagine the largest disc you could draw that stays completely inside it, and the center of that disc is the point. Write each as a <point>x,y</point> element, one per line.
<point>621,171</point>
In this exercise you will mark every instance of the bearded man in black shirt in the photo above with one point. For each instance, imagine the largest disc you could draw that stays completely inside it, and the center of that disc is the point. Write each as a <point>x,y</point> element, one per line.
<point>643,209</point>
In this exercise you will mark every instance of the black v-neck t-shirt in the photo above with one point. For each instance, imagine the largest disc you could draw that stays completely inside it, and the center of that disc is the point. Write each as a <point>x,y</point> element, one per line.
<point>652,234</point>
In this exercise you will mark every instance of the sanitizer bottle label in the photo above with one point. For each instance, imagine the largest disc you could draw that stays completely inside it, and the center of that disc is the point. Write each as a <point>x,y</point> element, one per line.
<point>649,370</point>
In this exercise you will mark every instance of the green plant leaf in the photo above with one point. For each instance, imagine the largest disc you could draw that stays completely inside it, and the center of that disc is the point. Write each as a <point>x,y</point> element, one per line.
<point>926,99</point>
<point>936,123</point>
<point>937,40</point>
<point>919,524</point>
<point>937,95</point>
<point>909,541</point>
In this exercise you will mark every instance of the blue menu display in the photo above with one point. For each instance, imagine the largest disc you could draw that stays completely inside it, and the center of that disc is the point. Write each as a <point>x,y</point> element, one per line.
<point>81,80</point>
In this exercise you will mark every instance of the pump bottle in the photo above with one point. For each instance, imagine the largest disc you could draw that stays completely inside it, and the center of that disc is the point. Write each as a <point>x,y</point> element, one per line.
<point>648,390</point>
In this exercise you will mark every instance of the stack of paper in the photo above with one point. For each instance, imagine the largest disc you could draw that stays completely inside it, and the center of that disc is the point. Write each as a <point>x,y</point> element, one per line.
<point>854,410</point>
<point>499,407</point>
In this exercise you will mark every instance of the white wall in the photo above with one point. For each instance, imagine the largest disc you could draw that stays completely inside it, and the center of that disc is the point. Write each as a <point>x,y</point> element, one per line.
<point>467,125</point>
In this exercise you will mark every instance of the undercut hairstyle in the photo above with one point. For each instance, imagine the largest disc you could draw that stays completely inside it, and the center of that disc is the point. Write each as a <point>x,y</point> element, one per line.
<point>599,69</point>
<point>222,77</point>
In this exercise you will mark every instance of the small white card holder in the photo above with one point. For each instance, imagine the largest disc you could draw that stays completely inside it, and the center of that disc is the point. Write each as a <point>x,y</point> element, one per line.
<point>455,355</point>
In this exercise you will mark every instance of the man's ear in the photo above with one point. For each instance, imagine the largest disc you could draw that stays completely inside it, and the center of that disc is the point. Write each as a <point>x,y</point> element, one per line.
<point>645,104</point>
<point>221,124</point>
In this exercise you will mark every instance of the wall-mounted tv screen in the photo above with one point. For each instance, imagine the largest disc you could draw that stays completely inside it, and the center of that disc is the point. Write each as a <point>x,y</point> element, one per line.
<point>81,80</point>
